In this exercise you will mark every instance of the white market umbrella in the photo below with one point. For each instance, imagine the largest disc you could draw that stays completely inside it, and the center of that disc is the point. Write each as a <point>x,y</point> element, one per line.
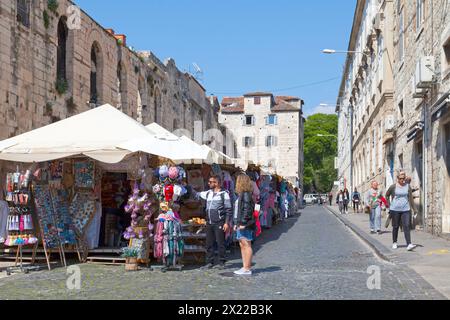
<point>101,133</point>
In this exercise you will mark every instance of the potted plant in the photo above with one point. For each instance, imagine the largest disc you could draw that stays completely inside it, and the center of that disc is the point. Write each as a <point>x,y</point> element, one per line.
<point>131,255</point>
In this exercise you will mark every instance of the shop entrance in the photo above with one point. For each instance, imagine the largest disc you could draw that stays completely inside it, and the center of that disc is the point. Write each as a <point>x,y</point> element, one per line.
<point>115,192</point>
<point>446,198</point>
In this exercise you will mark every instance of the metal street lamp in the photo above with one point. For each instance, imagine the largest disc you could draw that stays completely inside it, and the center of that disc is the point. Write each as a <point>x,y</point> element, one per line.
<point>332,51</point>
<point>327,135</point>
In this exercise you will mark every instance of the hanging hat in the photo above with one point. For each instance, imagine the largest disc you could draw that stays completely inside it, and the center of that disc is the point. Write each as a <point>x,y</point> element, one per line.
<point>163,172</point>
<point>181,172</point>
<point>173,173</point>
<point>168,192</point>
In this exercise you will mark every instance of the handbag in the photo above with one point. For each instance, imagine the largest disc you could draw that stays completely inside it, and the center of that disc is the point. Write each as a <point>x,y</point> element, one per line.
<point>388,221</point>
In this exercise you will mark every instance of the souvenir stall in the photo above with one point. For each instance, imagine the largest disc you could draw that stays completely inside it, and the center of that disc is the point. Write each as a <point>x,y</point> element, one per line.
<point>18,227</point>
<point>168,236</point>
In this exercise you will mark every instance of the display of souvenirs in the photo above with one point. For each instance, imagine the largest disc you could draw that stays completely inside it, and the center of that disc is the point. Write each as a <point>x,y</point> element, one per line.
<point>56,170</point>
<point>170,174</point>
<point>63,218</point>
<point>19,220</point>
<point>82,210</point>
<point>84,173</point>
<point>45,212</point>
<point>169,243</point>
<point>19,227</point>
<point>140,207</point>
<point>21,240</point>
<point>197,221</point>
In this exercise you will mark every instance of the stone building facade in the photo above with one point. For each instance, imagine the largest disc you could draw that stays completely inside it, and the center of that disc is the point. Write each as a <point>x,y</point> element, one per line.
<point>421,30</point>
<point>267,130</point>
<point>56,61</point>
<point>365,100</point>
<point>406,126</point>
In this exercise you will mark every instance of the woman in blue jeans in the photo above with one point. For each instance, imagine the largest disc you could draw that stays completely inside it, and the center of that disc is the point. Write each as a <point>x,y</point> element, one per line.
<point>401,203</point>
<point>244,222</point>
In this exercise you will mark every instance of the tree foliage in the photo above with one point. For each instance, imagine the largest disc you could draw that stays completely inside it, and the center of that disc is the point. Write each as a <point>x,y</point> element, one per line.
<point>320,152</point>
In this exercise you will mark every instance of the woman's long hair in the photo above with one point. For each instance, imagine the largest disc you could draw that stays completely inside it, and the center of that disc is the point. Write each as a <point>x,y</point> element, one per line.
<point>244,184</point>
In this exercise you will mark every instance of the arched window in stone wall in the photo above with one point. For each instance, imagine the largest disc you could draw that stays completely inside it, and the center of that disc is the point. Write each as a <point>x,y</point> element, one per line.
<point>61,63</point>
<point>23,12</point>
<point>96,74</point>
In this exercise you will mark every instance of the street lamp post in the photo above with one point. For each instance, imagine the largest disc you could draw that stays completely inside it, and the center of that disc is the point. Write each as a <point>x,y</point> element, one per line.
<point>332,51</point>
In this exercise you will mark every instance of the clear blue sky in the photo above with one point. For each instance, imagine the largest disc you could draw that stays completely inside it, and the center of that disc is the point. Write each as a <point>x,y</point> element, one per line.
<point>241,45</point>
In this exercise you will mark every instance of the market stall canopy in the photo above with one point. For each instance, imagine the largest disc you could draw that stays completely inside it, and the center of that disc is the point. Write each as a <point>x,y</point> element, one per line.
<point>199,152</point>
<point>176,149</point>
<point>101,133</point>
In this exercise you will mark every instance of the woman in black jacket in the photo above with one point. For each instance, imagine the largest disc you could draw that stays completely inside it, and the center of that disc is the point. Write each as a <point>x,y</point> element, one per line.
<point>244,222</point>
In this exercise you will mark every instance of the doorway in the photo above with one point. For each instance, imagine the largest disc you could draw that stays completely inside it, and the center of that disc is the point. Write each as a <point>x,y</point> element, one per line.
<point>446,197</point>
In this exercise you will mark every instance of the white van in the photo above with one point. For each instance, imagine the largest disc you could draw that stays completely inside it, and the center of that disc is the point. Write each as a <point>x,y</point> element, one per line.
<point>309,199</point>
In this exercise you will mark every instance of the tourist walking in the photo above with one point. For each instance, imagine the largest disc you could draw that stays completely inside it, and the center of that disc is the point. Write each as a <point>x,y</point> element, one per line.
<point>401,204</point>
<point>340,199</point>
<point>330,198</point>
<point>356,198</point>
<point>373,206</point>
<point>244,222</point>
<point>346,200</point>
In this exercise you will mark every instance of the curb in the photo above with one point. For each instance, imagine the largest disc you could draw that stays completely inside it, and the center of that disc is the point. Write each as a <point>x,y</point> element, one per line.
<point>380,250</point>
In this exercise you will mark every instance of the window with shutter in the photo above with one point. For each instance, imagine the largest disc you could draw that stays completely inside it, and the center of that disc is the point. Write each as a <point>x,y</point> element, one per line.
<point>23,12</point>
<point>272,119</point>
<point>249,120</point>
<point>248,142</point>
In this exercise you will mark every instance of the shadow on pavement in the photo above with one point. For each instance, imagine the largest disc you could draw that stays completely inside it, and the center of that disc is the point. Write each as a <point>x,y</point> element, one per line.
<point>273,234</point>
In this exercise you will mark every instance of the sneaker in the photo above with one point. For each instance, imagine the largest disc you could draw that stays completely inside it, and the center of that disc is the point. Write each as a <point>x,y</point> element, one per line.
<point>243,272</point>
<point>372,231</point>
<point>411,247</point>
<point>395,246</point>
<point>379,232</point>
<point>208,266</point>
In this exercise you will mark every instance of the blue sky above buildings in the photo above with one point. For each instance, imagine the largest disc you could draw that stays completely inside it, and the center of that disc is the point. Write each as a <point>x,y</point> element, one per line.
<point>241,45</point>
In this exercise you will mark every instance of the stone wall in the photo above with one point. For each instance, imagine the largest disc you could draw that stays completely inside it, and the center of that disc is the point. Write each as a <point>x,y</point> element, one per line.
<point>28,60</point>
<point>428,40</point>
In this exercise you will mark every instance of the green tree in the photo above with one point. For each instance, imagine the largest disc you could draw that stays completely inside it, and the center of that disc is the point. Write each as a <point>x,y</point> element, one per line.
<point>319,152</point>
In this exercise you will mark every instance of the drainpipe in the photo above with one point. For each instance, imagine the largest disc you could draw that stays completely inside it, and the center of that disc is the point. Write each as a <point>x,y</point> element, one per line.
<point>424,166</point>
<point>351,147</point>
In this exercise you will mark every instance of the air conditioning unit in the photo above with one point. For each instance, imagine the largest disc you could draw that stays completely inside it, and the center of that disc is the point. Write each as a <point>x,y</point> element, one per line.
<point>424,72</point>
<point>377,20</point>
<point>390,123</point>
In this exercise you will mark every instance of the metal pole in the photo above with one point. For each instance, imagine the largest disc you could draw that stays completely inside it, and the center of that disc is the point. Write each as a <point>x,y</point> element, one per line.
<point>351,147</point>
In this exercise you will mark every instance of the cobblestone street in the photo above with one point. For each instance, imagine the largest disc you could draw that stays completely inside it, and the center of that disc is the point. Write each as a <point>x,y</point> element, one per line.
<point>313,256</point>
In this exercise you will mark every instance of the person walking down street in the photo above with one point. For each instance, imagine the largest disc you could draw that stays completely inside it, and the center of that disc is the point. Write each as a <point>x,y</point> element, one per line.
<point>219,215</point>
<point>346,200</point>
<point>330,198</point>
<point>356,198</point>
<point>373,205</point>
<point>244,222</point>
<point>340,198</point>
<point>401,203</point>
